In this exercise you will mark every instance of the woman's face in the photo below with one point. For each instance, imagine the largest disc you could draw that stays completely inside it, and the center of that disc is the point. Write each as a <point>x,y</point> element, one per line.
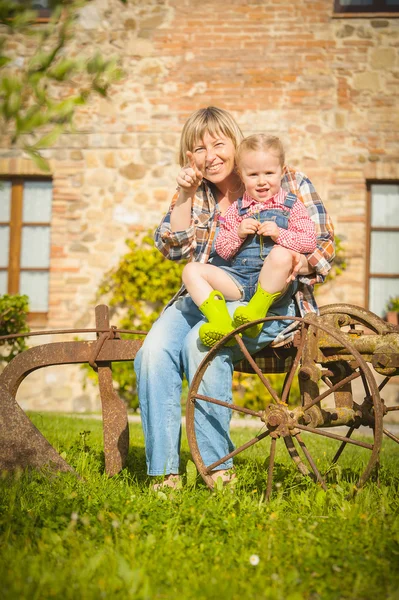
<point>214,157</point>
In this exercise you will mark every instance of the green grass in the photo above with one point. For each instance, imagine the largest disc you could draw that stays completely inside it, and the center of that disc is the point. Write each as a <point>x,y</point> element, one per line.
<point>95,538</point>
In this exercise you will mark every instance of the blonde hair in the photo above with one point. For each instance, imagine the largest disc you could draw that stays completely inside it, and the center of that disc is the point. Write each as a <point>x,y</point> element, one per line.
<point>212,120</point>
<point>261,142</point>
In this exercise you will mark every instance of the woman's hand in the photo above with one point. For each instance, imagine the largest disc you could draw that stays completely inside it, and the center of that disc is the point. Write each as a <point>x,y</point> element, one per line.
<point>300,266</point>
<point>190,177</point>
<point>247,227</point>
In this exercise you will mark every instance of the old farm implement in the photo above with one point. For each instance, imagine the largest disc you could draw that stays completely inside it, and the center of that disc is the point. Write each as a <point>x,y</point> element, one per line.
<point>329,354</point>
<point>332,355</point>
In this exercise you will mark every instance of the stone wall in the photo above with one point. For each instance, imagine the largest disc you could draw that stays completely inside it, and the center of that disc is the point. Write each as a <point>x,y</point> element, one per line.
<point>327,86</point>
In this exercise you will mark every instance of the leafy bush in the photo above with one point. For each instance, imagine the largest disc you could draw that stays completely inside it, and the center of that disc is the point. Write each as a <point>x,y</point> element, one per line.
<point>138,289</point>
<point>250,392</point>
<point>392,304</point>
<point>13,313</point>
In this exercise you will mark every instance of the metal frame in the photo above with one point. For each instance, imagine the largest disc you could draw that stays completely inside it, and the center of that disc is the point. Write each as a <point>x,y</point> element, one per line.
<point>21,444</point>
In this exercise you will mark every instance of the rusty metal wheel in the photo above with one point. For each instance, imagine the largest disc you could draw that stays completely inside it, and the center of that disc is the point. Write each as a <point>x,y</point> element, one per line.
<point>278,420</point>
<point>355,322</point>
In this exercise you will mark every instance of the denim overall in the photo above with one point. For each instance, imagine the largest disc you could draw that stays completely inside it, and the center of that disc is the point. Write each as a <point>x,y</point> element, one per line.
<point>246,265</point>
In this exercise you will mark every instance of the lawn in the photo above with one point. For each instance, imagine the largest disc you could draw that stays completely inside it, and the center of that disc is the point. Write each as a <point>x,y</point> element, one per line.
<point>95,537</point>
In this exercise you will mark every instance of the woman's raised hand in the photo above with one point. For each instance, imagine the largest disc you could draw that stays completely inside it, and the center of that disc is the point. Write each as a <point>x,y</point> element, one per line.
<point>190,177</point>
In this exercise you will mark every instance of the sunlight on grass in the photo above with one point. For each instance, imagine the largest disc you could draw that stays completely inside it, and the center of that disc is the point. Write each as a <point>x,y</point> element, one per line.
<point>62,537</point>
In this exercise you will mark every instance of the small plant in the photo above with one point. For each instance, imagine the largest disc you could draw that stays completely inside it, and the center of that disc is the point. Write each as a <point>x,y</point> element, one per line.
<point>393,304</point>
<point>13,314</point>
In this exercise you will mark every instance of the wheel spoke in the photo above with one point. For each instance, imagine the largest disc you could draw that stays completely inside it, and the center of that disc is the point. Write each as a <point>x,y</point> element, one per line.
<point>294,366</point>
<point>257,370</point>
<point>342,446</point>
<point>334,436</point>
<point>383,383</point>
<point>311,462</point>
<point>270,468</point>
<point>241,409</point>
<point>255,440</point>
<point>332,389</point>
<point>365,385</point>
<point>327,381</point>
<point>292,451</point>
<point>391,435</point>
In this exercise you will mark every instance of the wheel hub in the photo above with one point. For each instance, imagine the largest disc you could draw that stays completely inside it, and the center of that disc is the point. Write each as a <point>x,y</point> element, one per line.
<point>280,418</point>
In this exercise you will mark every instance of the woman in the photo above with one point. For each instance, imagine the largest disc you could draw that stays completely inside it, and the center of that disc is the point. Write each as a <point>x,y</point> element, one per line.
<point>207,185</point>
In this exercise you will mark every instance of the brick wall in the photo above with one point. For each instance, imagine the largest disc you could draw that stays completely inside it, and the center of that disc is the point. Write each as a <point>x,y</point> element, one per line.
<point>327,86</point>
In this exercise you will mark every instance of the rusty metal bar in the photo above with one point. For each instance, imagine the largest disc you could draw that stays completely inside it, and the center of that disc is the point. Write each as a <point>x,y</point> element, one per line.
<point>257,370</point>
<point>311,462</point>
<point>114,411</point>
<point>13,336</point>
<point>242,409</point>
<point>334,436</point>
<point>254,440</point>
<point>64,353</point>
<point>391,435</point>
<point>342,446</point>
<point>288,381</point>
<point>292,451</point>
<point>270,468</point>
<point>383,383</point>
<point>332,389</point>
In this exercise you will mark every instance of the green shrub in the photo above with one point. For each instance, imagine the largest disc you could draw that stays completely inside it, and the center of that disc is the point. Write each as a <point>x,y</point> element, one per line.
<point>392,304</point>
<point>13,313</point>
<point>249,391</point>
<point>137,290</point>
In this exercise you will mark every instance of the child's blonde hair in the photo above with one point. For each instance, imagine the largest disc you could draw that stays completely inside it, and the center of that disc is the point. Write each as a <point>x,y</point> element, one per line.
<point>212,120</point>
<point>263,143</point>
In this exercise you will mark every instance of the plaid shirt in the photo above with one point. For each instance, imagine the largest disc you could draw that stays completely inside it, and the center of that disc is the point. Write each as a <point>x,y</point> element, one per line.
<point>300,235</point>
<point>195,243</point>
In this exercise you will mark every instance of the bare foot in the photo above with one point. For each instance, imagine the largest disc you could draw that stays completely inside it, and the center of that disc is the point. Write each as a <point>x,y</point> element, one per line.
<point>227,475</point>
<point>171,481</point>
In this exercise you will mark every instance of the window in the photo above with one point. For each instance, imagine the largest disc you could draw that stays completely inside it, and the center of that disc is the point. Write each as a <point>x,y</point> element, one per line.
<point>25,215</point>
<point>43,7</point>
<point>366,6</point>
<point>383,244</point>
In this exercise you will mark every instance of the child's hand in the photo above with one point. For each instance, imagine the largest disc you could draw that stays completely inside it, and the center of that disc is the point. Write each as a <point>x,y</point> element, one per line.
<point>247,227</point>
<point>190,177</point>
<point>270,229</point>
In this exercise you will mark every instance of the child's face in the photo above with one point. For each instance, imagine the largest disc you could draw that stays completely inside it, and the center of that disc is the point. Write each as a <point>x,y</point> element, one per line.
<point>261,173</point>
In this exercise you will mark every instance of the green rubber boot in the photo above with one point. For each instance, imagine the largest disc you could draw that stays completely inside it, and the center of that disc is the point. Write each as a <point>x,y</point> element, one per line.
<point>256,308</point>
<point>219,321</point>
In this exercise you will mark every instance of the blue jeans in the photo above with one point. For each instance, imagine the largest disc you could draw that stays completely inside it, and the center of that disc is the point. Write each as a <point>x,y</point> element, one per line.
<point>172,348</point>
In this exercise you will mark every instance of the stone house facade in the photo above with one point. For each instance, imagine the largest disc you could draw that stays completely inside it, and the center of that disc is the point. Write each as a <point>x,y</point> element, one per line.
<point>327,84</point>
